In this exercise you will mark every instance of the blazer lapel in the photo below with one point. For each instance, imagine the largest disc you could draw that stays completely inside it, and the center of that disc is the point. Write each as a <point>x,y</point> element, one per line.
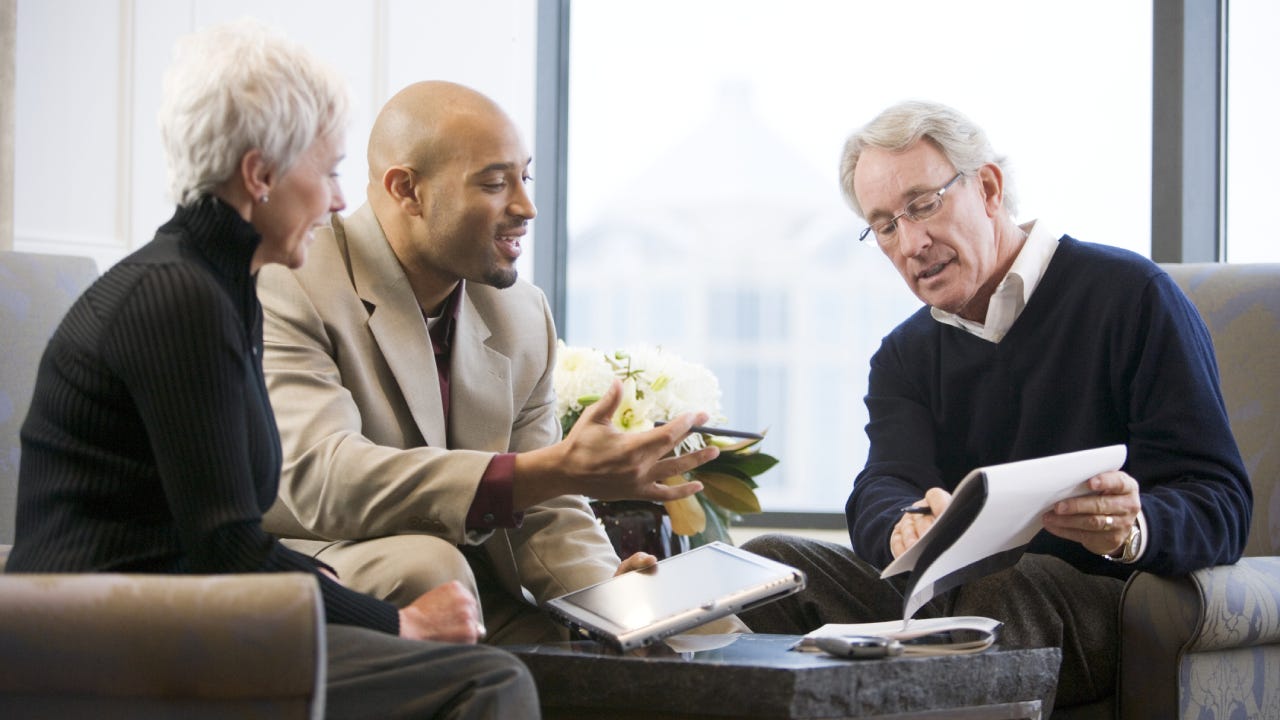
<point>479,385</point>
<point>396,322</point>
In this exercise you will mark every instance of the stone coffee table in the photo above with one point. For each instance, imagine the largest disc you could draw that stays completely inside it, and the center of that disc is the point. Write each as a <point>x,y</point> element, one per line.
<point>758,676</point>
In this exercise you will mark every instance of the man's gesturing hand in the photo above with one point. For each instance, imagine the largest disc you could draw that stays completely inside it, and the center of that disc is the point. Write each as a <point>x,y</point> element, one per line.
<point>637,561</point>
<point>598,460</point>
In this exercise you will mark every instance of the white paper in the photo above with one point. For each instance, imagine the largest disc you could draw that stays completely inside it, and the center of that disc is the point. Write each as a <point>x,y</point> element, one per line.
<point>1018,493</point>
<point>900,630</point>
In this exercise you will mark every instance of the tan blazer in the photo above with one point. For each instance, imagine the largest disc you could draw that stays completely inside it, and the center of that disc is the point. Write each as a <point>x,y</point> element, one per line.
<point>353,383</point>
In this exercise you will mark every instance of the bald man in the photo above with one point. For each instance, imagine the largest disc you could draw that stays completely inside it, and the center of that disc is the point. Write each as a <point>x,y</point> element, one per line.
<point>410,371</point>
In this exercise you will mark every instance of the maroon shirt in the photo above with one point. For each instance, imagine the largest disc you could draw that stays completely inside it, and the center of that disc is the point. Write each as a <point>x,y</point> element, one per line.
<point>493,506</point>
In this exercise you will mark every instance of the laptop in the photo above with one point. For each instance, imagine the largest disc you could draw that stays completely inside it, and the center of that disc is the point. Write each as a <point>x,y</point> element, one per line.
<point>681,592</point>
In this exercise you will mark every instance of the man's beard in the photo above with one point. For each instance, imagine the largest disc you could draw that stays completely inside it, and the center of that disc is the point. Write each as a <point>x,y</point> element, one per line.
<point>501,278</point>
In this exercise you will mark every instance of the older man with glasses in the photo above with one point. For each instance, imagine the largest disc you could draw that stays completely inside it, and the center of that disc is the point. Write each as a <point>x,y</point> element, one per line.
<point>1031,344</point>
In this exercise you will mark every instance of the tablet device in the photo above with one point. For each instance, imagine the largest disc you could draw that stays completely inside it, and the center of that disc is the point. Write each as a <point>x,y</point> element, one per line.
<point>638,608</point>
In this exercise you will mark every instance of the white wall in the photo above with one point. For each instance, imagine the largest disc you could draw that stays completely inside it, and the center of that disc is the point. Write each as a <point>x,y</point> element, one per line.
<point>89,174</point>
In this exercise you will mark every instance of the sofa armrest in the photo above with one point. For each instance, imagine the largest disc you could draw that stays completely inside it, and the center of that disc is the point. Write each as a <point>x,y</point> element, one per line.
<point>163,642</point>
<point>1164,619</point>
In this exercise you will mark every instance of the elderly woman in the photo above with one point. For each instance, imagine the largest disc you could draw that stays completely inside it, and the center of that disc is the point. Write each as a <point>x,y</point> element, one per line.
<point>151,446</point>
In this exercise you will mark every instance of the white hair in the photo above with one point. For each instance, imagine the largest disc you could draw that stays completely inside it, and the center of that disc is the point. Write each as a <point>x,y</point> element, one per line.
<point>238,87</point>
<point>960,140</point>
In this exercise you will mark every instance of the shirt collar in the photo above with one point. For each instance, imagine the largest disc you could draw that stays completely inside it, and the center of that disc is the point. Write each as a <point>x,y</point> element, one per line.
<point>441,328</point>
<point>1014,291</point>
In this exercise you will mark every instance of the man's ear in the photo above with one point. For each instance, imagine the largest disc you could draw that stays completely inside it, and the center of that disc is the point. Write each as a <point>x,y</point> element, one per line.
<point>398,181</point>
<point>991,183</point>
<point>256,174</point>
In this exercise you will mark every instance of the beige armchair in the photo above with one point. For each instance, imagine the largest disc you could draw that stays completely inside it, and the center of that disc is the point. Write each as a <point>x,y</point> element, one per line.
<point>134,646</point>
<point>1207,645</point>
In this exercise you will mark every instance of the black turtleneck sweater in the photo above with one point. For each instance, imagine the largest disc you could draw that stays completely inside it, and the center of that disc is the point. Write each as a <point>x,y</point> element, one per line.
<point>150,445</point>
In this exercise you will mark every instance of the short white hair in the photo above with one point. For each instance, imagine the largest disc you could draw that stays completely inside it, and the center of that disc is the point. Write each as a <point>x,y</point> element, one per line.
<point>961,141</point>
<point>237,87</point>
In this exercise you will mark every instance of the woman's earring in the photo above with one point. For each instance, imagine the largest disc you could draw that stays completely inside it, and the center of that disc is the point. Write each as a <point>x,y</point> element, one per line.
<point>263,199</point>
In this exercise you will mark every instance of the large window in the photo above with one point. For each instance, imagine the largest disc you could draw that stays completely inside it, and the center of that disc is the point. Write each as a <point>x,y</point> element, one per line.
<point>703,207</point>
<point>1252,110</point>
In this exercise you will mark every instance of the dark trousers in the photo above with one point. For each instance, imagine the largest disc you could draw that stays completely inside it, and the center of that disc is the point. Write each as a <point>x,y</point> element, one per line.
<point>1042,601</point>
<point>376,675</point>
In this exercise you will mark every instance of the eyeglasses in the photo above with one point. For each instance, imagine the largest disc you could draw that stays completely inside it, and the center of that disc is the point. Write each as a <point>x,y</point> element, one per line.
<point>921,208</point>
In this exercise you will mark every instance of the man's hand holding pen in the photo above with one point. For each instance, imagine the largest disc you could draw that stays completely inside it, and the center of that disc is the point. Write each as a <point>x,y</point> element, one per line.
<point>916,519</point>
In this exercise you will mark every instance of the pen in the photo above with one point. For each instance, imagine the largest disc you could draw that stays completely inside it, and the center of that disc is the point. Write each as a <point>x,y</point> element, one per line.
<point>723,432</point>
<point>918,509</point>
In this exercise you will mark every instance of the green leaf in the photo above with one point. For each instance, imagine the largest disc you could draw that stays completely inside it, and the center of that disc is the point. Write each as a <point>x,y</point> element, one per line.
<point>566,422</point>
<point>745,464</point>
<point>754,463</point>
<point>744,478</point>
<point>729,492</point>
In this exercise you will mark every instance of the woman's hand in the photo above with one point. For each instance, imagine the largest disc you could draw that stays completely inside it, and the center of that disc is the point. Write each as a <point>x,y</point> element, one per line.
<point>448,613</point>
<point>600,461</point>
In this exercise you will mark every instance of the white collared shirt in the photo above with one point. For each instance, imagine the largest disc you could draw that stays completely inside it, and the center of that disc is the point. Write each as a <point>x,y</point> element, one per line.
<point>1014,291</point>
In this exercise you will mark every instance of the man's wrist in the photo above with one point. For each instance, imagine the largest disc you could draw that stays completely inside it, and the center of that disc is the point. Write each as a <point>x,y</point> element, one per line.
<point>1127,553</point>
<point>534,476</point>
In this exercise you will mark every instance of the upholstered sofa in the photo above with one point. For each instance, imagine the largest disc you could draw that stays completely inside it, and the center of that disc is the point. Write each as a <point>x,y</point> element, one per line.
<point>135,646</point>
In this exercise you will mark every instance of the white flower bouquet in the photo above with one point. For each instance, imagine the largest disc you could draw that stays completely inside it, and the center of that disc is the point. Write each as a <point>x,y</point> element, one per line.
<point>658,386</point>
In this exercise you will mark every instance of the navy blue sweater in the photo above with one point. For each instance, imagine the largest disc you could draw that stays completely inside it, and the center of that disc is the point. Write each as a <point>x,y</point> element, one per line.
<point>150,445</point>
<point>1108,351</point>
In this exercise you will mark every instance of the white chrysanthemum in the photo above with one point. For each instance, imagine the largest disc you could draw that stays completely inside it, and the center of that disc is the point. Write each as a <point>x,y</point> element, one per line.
<point>675,385</point>
<point>657,385</point>
<point>580,372</point>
